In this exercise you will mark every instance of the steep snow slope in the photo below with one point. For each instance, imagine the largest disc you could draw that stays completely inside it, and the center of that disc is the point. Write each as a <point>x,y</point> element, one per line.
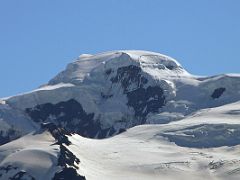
<point>204,145</point>
<point>32,154</point>
<point>13,124</point>
<point>194,131</point>
<point>145,152</point>
<point>77,71</point>
<point>114,91</point>
<point>42,155</point>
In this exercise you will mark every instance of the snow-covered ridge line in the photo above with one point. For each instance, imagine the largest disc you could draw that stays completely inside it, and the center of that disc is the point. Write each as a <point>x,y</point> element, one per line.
<point>164,123</point>
<point>42,88</point>
<point>117,90</point>
<point>77,70</point>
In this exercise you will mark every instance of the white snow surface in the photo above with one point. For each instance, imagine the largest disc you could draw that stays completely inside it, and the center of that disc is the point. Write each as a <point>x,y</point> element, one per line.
<point>33,153</point>
<point>141,153</point>
<point>163,149</point>
<point>78,70</point>
<point>85,80</point>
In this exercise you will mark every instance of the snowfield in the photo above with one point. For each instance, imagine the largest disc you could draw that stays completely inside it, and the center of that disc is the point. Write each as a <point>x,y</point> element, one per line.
<point>134,115</point>
<point>33,154</point>
<point>144,153</point>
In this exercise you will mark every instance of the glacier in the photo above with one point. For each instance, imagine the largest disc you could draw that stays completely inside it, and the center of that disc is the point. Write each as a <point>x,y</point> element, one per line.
<point>125,114</point>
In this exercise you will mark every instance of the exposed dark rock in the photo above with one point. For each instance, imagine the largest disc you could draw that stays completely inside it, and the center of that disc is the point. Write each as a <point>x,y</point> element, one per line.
<point>58,133</point>
<point>4,138</point>
<point>66,157</point>
<point>8,136</point>
<point>122,130</point>
<point>106,96</point>
<point>216,165</point>
<point>146,100</point>
<point>71,116</point>
<point>68,115</point>
<point>108,71</point>
<point>103,133</point>
<point>66,160</point>
<point>68,173</point>
<point>143,100</point>
<point>170,67</point>
<point>218,92</point>
<point>22,175</point>
<point>5,169</point>
<point>129,75</point>
<point>111,132</point>
<point>62,111</point>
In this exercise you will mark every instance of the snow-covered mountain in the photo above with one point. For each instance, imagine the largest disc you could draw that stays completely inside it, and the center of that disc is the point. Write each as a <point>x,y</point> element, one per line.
<point>186,125</point>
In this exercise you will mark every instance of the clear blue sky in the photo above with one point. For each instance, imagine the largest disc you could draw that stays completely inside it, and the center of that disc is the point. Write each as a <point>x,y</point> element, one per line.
<point>38,38</point>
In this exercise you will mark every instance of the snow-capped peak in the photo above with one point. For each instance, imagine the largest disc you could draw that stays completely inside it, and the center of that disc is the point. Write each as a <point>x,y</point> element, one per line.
<point>152,62</point>
<point>106,94</point>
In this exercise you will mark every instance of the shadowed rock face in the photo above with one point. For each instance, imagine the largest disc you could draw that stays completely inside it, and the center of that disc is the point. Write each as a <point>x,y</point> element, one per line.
<point>205,136</point>
<point>68,173</point>
<point>67,161</point>
<point>142,100</point>
<point>61,112</point>
<point>21,175</point>
<point>218,92</point>
<point>67,158</point>
<point>7,136</point>
<point>59,134</point>
<point>15,173</point>
<point>146,100</point>
<point>70,116</point>
<point>129,76</point>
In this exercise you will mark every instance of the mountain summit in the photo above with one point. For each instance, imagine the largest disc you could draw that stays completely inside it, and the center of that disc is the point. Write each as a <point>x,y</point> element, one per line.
<point>77,71</point>
<point>105,95</point>
<point>102,95</point>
